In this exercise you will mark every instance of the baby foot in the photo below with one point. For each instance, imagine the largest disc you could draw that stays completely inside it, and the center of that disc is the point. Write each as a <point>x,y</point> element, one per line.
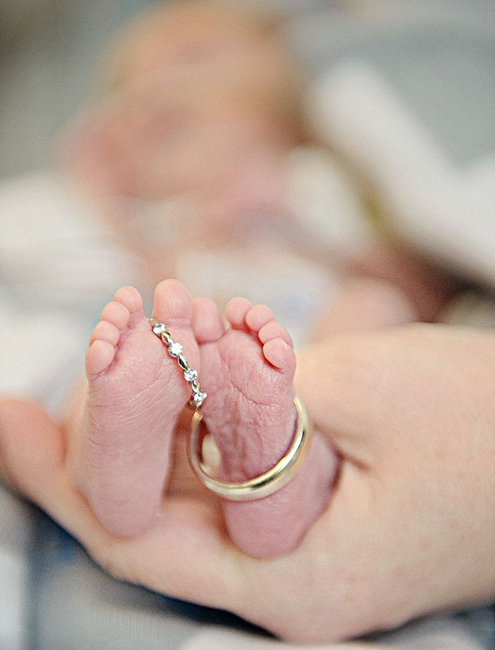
<point>248,376</point>
<point>247,372</point>
<point>136,392</point>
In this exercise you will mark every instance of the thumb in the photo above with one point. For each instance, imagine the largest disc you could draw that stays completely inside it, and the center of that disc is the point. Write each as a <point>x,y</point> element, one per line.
<point>32,462</point>
<point>336,379</point>
<point>31,446</point>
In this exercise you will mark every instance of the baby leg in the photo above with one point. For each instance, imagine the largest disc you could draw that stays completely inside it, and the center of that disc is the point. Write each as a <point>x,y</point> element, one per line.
<point>247,372</point>
<point>135,394</point>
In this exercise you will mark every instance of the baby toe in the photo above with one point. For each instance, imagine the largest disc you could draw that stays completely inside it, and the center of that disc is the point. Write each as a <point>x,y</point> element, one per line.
<point>235,312</point>
<point>173,304</point>
<point>273,329</point>
<point>105,331</point>
<point>116,314</point>
<point>281,356</point>
<point>99,357</point>
<point>258,316</point>
<point>206,322</point>
<point>130,298</point>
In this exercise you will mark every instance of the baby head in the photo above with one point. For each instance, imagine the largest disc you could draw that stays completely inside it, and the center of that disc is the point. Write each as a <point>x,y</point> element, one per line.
<point>197,94</point>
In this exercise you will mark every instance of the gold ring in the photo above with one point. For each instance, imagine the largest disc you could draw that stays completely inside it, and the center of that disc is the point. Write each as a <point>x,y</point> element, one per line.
<point>260,486</point>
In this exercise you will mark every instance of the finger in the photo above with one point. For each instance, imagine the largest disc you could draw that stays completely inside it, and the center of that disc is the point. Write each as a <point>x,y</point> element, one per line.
<point>329,381</point>
<point>373,393</point>
<point>182,480</point>
<point>32,462</point>
<point>22,460</point>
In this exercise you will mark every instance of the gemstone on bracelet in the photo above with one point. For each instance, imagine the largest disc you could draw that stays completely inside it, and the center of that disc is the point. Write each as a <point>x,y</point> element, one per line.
<point>199,398</point>
<point>159,328</point>
<point>175,349</point>
<point>190,374</point>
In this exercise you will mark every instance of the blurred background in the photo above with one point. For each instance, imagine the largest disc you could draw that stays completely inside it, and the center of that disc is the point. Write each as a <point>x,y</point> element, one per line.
<point>51,55</point>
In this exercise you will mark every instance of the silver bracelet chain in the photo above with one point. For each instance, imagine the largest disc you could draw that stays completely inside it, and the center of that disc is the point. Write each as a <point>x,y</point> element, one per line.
<point>175,351</point>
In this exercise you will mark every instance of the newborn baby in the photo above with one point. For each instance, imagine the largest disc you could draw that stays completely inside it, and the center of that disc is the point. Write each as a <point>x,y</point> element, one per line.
<point>120,447</point>
<point>190,86</point>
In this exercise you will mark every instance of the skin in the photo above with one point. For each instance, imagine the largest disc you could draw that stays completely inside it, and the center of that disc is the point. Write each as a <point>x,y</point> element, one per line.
<point>409,529</point>
<point>120,434</point>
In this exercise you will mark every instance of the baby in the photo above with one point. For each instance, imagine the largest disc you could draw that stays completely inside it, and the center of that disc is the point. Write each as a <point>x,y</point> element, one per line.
<point>401,515</point>
<point>195,78</point>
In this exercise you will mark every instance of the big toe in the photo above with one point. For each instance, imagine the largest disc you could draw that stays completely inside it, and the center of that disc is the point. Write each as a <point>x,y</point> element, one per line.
<point>173,304</point>
<point>173,307</point>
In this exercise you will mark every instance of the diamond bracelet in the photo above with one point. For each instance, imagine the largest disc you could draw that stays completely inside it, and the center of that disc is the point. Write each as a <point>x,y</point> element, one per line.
<point>175,351</point>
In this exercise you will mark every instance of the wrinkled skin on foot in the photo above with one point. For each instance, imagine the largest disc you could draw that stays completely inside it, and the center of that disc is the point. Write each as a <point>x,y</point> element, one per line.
<point>248,372</point>
<point>410,526</point>
<point>120,445</point>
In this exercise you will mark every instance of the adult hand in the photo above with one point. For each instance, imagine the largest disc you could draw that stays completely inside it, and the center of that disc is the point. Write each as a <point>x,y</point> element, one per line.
<point>410,527</point>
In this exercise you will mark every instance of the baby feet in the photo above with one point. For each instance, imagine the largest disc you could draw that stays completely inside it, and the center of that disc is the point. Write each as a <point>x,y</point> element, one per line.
<point>135,395</point>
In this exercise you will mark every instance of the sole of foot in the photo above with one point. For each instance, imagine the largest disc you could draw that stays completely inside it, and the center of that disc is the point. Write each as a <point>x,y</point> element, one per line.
<point>136,392</point>
<point>248,370</point>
